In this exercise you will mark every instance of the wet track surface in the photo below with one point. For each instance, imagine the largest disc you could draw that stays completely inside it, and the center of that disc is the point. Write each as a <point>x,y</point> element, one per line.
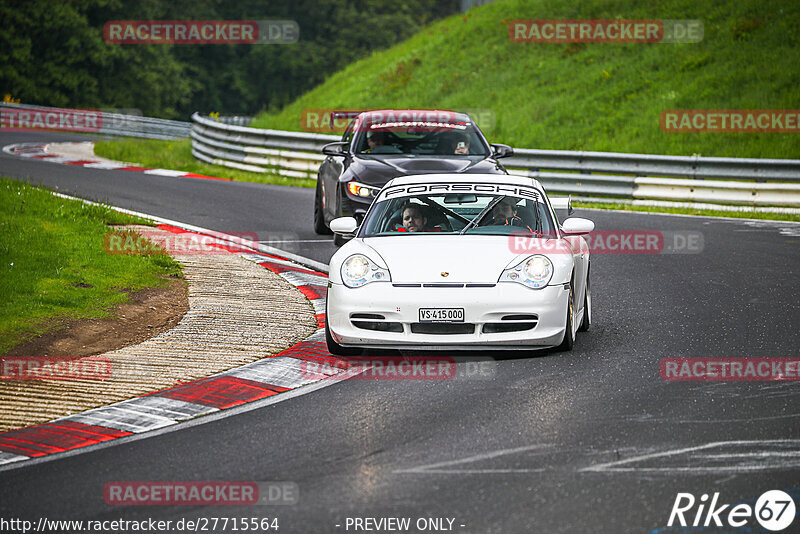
<point>589,441</point>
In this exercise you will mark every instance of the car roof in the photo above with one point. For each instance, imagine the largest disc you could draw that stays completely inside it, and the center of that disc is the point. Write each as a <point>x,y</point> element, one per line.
<point>512,179</point>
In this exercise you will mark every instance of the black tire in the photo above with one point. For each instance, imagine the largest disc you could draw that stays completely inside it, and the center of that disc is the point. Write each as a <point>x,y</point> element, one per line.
<point>336,349</point>
<point>587,307</point>
<point>319,217</point>
<point>569,335</point>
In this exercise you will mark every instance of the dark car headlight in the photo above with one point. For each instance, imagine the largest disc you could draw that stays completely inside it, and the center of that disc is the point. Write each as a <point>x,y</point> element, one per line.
<point>367,192</point>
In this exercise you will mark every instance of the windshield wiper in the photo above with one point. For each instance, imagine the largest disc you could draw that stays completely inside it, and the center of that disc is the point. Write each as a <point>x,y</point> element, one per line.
<point>479,216</point>
<point>538,229</point>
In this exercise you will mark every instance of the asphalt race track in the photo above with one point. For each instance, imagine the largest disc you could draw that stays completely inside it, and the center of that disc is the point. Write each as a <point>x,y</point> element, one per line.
<point>590,441</point>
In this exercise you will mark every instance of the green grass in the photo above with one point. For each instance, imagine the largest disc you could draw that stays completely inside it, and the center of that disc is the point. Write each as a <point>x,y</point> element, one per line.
<point>603,97</point>
<point>690,211</point>
<point>177,155</point>
<point>49,248</point>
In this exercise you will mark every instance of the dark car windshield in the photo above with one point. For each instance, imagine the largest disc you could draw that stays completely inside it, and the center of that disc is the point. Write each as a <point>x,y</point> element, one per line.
<point>421,138</point>
<point>458,214</point>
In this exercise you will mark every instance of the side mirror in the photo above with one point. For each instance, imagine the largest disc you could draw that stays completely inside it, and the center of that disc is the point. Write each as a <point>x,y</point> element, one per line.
<point>562,203</point>
<point>502,151</point>
<point>339,148</point>
<point>344,225</point>
<point>577,226</point>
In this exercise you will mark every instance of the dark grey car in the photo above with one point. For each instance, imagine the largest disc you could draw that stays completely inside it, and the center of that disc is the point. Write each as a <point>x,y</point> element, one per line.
<point>380,145</point>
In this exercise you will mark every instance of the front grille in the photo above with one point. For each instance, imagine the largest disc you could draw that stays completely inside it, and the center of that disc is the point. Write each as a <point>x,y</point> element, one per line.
<point>499,328</point>
<point>443,284</point>
<point>443,328</point>
<point>512,323</point>
<point>374,316</point>
<point>379,326</point>
<point>520,317</point>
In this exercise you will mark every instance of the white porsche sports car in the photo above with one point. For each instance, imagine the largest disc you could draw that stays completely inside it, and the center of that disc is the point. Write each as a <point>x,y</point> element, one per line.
<point>455,261</point>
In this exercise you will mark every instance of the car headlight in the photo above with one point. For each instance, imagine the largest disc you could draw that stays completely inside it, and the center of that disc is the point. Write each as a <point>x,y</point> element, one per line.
<point>363,191</point>
<point>358,270</point>
<point>534,272</point>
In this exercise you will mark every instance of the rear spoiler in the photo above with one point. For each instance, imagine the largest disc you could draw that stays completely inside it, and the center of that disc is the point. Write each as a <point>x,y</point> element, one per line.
<point>562,203</point>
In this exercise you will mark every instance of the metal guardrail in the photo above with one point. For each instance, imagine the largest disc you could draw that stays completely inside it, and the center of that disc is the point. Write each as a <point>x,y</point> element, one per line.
<point>736,181</point>
<point>27,117</point>
<point>291,154</point>
<point>697,167</point>
<point>235,120</point>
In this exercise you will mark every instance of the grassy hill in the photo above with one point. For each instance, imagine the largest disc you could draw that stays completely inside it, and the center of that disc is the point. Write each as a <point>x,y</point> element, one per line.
<point>605,97</point>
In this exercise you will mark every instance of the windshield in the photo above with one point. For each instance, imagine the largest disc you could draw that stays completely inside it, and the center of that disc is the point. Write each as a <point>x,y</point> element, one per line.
<point>428,209</point>
<point>421,138</point>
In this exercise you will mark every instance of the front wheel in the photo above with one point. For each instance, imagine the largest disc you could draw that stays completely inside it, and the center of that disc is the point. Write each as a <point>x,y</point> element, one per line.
<point>336,349</point>
<point>319,216</point>
<point>587,308</point>
<point>569,334</point>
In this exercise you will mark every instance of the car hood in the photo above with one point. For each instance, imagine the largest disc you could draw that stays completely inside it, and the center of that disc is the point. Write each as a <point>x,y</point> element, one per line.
<point>423,258</point>
<point>381,169</point>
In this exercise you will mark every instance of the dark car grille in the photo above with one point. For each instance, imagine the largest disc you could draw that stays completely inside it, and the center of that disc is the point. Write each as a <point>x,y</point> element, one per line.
<point>443,328</point>
<point>382,326</point>
<point>375,322</point>
<point>442,284</point>
<point>508,323</point>
<point>512,323</point>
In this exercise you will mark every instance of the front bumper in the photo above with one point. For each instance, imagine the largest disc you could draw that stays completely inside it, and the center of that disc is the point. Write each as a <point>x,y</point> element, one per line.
<point>353,205</point>
<point>399,306</point>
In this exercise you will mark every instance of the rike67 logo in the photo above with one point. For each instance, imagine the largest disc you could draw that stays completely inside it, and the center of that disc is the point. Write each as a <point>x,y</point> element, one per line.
<point>774,510</point>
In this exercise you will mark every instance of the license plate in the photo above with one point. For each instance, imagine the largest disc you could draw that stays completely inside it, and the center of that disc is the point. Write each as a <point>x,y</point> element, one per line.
<point>441,315</point>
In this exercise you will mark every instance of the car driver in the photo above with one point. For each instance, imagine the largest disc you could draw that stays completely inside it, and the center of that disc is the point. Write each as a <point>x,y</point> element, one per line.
<point>375,139</point>
<point>505,213</point>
